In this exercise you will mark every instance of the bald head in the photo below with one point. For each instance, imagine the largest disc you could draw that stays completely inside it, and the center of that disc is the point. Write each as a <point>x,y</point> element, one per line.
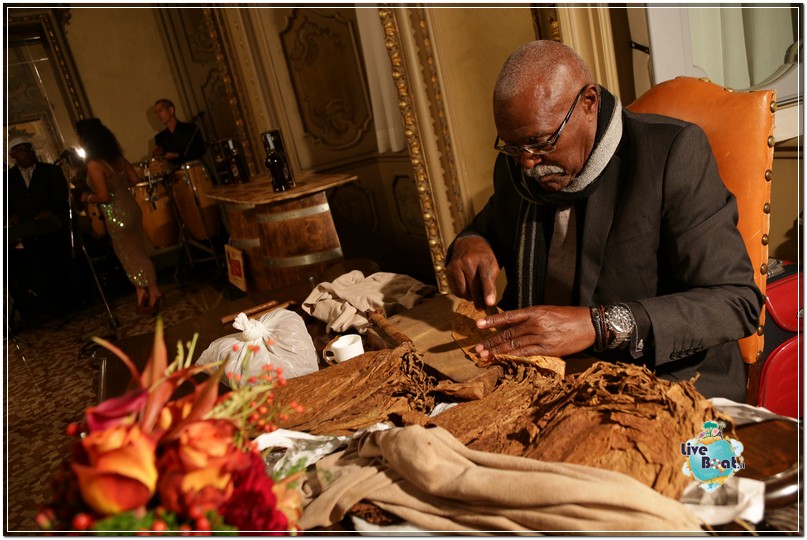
<point>547,69</point>
<point>544,96</point>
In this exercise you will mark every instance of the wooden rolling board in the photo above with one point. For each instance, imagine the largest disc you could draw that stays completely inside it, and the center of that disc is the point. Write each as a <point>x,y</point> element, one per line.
<point>428,325</point>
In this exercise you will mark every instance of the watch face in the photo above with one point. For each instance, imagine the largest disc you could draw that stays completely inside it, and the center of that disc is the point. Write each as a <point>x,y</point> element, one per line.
<point>621,323</point>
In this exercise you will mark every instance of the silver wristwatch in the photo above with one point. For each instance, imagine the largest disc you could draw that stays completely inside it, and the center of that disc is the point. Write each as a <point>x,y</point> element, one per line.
<point>620,324</point>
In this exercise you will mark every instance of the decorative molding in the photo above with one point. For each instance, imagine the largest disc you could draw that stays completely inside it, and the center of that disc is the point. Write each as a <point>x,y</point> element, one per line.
<point>414,141</point>
<point>50,23</point>
<point>325,65</point>
<point>438,109</point>
<point>546,23</point>
<point>218,36</point>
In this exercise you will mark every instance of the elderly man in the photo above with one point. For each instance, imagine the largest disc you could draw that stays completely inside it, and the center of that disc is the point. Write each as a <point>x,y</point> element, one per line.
<point>179,141</point>
<point>617,234</point>
<point>39,244</point>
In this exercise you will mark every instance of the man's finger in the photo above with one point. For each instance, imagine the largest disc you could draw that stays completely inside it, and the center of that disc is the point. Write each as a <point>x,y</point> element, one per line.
<point>505,318</point>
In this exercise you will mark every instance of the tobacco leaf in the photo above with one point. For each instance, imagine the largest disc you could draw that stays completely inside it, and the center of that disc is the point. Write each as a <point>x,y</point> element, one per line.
<point>358,393</point>
<point>614,416</point>
<point>468,336</point>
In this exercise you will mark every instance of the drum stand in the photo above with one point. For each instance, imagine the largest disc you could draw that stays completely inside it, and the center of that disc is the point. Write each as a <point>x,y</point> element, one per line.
<point>112,321</point>
<point>186,241</point>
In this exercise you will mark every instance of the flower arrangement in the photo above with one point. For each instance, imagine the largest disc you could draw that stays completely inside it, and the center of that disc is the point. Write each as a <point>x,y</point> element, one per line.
<point>142,462</point>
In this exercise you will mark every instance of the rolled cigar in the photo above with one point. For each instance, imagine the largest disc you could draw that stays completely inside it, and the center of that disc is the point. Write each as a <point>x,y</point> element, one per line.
<point>251,311</point>
<point>279,306</point>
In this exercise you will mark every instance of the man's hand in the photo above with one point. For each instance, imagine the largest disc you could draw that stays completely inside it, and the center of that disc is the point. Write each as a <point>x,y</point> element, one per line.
<point>472,271</point>
<point>157,151</point>
<point>538,330</point>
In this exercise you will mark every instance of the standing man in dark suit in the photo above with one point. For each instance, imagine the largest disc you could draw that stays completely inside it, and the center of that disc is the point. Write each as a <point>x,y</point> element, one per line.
<point>179,141</point>
<point>38,234</point>
<point>617,234</point>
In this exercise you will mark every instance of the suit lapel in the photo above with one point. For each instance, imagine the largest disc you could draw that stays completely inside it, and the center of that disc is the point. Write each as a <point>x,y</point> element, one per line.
<point>599,215</point>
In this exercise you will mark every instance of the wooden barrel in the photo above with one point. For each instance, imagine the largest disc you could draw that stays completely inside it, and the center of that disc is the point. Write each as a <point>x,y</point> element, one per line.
<point>298,238</point>
<point>245,237</point>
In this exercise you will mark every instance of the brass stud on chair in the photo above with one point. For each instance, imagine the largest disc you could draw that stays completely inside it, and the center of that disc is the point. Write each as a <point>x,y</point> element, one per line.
<point>768,175</point>
<point>771,141</point>
<point>774,107</point>
<point>760,330</point>
<point>764,239</point>
<point>759,356</point>
<point>763,268</point>
<point>766,208</point>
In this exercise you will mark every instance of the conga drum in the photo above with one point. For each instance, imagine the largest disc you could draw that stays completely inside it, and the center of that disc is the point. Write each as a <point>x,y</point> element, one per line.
<point>159,167</point>
<point>142,170</point>
<point>97,220</point>
<point>198,212</point>
<point>159,223</point>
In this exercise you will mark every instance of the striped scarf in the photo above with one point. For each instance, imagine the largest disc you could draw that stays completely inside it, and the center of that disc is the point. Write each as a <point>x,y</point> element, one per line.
<point>538,206</point>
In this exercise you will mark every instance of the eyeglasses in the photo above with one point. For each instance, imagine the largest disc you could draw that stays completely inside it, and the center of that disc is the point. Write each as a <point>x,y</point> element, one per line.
<point>543,147</point>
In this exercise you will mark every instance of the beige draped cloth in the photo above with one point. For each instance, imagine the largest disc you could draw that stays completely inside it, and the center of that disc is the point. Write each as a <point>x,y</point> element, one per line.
<point>341,303</point>
<point>428,478</point>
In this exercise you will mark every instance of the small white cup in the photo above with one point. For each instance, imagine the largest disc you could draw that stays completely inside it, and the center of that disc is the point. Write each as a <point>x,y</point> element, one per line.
<point>343,348</point>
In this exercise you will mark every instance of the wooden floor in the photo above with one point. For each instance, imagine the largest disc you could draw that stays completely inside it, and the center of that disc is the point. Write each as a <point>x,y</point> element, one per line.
<point>49,382</point>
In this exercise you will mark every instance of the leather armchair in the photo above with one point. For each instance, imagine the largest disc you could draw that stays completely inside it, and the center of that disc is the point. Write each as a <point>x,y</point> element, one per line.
<point>739,126</point>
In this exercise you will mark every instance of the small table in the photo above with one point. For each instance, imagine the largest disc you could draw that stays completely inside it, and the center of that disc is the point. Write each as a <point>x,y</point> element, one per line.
<point>286,236</point>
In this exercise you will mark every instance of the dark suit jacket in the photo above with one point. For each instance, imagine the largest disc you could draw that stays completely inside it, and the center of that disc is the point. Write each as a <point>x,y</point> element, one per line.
<point>660,232</point>
<point>48,191</point>
<point>186,140</point>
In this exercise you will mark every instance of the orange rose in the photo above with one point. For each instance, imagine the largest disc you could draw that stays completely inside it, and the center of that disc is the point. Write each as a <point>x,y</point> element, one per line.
<point>120,472</point>
<point>195,471</point>
<point>289,501</point>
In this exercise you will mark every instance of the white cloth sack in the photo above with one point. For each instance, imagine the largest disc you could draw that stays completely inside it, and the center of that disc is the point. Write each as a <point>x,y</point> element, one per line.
<point>293,349</point>
<point>341,304</point>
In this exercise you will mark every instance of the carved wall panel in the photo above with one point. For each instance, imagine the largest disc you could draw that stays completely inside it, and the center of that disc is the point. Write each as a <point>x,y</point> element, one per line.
<point>354,211</point>
<point>323,56</point>
<point>407,206</point>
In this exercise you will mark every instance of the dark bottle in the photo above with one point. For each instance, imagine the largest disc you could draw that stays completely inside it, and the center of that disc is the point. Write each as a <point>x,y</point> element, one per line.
<point>276,162</point>
<point>220,160</point>
<point>235,164</point>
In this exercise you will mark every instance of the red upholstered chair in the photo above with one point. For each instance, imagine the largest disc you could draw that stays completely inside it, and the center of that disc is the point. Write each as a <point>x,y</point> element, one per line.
<point>739,126</point>
<point>780,382</point>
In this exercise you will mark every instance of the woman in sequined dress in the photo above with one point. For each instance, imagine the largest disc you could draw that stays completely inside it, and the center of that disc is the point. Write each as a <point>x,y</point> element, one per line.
<point>110,176</point>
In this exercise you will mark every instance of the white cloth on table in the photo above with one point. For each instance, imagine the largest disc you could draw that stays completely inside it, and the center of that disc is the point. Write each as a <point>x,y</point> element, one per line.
<point>341,303</point>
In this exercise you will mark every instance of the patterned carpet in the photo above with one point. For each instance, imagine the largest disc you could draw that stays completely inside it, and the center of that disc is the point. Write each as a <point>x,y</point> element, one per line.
<point>50,381</point>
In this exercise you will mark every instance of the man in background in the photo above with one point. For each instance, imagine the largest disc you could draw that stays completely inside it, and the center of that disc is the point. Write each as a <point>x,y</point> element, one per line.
<point>179,142</point>
<point>38,235</point>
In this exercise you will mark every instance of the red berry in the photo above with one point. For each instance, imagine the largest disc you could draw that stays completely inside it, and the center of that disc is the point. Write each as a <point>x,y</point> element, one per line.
<point>82,522</point>
<point>202,524</point>
<point>72,429</point>
<point>195,512</point>
<point>159,525</point>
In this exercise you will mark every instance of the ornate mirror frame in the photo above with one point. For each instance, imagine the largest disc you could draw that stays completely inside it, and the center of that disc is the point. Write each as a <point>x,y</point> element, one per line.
<point>420,100</point>
<point>49,25</point>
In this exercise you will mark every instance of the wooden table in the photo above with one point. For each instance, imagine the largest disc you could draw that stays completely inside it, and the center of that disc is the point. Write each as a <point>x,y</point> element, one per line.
<point>771,452</point>
<point>284,236</point>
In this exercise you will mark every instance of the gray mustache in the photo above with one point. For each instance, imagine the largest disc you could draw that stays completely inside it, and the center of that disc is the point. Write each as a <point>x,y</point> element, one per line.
<point>542,170</point>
